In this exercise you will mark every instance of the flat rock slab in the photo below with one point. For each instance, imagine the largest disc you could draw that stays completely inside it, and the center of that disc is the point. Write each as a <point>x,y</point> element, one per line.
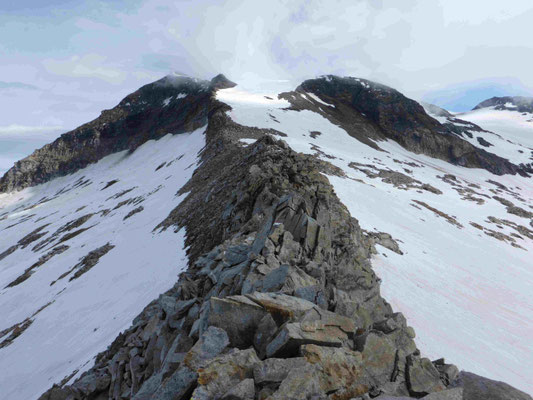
<point>238,316</point>
<point>275,370</point>
<point>450,394</point>
<point>294,334</point>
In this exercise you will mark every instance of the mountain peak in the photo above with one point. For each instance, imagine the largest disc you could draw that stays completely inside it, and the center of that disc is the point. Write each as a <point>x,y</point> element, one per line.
<point>510,103</point>
<point>221,82</point>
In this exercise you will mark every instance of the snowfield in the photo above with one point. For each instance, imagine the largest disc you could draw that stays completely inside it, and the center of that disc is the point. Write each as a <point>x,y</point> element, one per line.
<point>508,134</point>
<point>79,256</point>
<point>66,309</point>
<point>465,279</point>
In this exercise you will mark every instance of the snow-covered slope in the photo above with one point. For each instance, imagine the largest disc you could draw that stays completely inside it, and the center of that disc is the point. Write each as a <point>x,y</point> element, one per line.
<point>505,132</point>
<point>79,260</point>
<point>512,126</point>
<point>465,278</point>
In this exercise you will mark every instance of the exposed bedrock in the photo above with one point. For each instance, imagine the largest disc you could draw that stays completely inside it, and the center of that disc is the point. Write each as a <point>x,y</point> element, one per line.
<point>279,301</point>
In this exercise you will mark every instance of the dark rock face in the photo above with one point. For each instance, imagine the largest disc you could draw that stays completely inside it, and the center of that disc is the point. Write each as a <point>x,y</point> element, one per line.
<point>372,112</point>
<point>511,103</point>
<point>476,387</point>
<point>279,301</point>
<point>173,104</point>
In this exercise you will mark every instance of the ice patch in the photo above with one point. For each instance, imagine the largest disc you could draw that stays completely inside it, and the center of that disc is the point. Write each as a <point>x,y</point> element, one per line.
<point>316,98</point>
<point>248,141</point>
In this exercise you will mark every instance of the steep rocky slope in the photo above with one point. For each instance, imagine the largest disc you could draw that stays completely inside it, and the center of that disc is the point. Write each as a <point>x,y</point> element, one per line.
<point>280,300</point>
<point>386,113</point>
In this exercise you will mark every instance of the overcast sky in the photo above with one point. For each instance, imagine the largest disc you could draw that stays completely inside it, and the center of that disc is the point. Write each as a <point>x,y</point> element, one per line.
<point>63,62</point>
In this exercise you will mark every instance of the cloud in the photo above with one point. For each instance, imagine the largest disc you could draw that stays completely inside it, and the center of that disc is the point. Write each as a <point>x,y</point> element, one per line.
<point>24,131</point>
<point>99,51</point>
<point>86,66</point>
<point>17,85</point>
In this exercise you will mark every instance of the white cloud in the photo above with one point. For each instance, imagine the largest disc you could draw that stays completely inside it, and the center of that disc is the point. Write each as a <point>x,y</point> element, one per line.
<point>86,66</point>
<point>17,131</point>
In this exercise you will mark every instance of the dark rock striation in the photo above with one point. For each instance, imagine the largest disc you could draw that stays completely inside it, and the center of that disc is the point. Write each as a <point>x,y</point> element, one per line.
<point>279,301</point>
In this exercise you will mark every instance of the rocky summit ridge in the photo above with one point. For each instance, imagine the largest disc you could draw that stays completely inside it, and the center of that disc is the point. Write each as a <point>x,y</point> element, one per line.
<point>175,103</point>
<point>280,300</point>
<point>368,111</point>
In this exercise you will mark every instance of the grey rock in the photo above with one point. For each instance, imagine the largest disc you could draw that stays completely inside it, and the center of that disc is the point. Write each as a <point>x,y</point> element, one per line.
<point>149,387</point>
<point>448,372</point>
<point>282,307</point>
<point>396,321</point>
<point>397,388</point>
<point>284,279</point>
<point>266,330</point>
<point>450,394</point>
<point>168,304</point>
<point>223,373</point>
<point>238,316</point>
<point>245,390</point>
<point>339,370</point>
<point>316,326</point>
<point>300,384</point>
<point>422,376</point>
<point>314,294</point>
<point>476,387</point>
<point>294,334</point>
<point>213,342</point>
<point>276,369</point>
<point>177,385</point>
<point>379,355</point>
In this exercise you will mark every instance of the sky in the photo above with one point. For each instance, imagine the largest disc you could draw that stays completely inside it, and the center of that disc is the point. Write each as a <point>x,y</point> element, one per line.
<point>63,61</point>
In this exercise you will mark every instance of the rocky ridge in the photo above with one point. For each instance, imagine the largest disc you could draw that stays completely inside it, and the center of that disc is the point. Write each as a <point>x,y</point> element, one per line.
<point>280,300</point>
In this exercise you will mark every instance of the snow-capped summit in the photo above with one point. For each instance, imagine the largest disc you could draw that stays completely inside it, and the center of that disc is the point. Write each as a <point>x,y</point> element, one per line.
<point>510,103</point>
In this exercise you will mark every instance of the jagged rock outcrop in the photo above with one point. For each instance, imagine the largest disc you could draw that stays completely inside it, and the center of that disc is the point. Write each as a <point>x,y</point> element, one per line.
<point>372,112</point>
<point>279,301</point>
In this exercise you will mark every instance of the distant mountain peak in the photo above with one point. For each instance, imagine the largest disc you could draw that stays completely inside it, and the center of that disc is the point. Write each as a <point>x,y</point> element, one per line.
<point>510,103</point>
<point>221,82</point>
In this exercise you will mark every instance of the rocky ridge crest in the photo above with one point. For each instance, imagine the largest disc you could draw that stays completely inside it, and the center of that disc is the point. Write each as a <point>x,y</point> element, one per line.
<point>279,301</point>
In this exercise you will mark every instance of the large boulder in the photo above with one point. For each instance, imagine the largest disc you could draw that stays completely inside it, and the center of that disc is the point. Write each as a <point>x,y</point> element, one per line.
<point>275,370</point>
<point>237,315</point>
<point>422,376</point>
<point>224,373</point>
